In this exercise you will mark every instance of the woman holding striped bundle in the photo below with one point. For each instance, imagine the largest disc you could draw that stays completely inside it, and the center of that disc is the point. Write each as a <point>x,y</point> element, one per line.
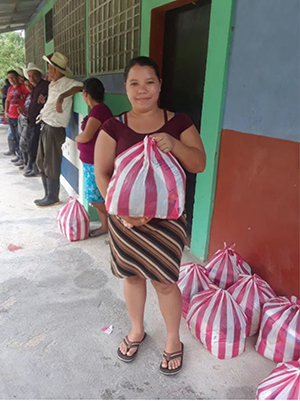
<point>143,248</point>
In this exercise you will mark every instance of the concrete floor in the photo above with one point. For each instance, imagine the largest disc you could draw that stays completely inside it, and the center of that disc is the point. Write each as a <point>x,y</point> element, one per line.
<point>56,296</point>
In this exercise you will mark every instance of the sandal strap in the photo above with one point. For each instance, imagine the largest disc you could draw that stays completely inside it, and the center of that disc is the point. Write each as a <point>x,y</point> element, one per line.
<point>129,344</point>
<point>169,356</point>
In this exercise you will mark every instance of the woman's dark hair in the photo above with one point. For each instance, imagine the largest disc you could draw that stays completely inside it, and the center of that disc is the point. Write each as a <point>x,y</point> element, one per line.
<point>94,88</point>
<point>142,61</point>
<point>13,72</point>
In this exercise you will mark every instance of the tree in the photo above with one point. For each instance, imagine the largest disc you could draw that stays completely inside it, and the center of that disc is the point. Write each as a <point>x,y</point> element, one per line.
<point>12,53</point>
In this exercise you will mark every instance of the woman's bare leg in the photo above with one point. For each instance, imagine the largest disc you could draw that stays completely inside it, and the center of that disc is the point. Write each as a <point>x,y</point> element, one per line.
<point>135,296</point>
<point>100,207</point>
<point>170,303</point>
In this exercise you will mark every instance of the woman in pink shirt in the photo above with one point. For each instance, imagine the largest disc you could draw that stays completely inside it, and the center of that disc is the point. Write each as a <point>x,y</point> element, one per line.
<point>93,93</point>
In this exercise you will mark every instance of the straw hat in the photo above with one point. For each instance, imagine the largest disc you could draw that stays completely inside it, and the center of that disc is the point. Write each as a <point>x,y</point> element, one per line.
<point>19,71</point>
<point>32,67</point>
<point>60,62</point>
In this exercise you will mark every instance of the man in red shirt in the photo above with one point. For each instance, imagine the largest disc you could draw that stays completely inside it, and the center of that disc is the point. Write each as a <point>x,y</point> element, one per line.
<point>16,96</point>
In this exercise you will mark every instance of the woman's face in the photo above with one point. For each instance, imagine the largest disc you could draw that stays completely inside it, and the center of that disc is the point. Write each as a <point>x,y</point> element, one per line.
<point>143,88</point>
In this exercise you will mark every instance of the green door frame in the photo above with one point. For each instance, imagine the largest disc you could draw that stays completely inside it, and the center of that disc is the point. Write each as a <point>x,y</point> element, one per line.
<point>212,110</point>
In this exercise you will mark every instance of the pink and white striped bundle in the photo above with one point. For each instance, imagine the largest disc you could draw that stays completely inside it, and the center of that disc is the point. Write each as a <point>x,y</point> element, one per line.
<point>192,279</point>
<point>146,183</point>
<point>282,384</point>
<point>73,221</point>
<point>251,293</point>
<point>218,322</point>
<point>225,266</point>
<point>279,333</point>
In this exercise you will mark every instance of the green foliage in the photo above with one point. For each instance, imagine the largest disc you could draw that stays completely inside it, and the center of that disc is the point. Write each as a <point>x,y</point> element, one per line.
<point>12,53</point>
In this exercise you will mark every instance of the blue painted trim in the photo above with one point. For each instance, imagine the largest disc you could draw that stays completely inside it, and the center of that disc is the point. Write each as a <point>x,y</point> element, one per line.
<point>70,173</point>
<point>72,128</point>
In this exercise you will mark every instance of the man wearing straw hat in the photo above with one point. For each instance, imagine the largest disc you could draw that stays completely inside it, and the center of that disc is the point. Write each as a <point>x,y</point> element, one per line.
<point>30,143</point>
<point>53,124</point>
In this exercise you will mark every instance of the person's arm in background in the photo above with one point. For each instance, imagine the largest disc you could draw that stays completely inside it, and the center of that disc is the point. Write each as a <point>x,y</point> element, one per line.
<point>90,130</point>
<point>104,158</point>
<point>6,106</point>
<point>61,97</point>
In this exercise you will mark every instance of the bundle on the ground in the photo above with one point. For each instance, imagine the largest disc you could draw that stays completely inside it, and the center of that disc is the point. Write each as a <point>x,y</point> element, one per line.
<point>251,293</point>
<point>218,322</point>
<point>192,279</point>
<point>279,334</point>
<point>225,266</point>
<point>282,384</point>
<point>74,220</point>
<point>146,183</point>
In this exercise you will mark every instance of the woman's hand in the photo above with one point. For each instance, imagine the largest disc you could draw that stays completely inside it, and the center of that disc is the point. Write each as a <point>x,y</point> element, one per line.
<point>130,222</point>
<point>165,142</point>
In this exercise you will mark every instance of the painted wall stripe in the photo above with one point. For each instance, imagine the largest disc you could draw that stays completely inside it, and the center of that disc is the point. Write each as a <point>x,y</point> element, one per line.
<point>211,124</point>
<point>70,152</point>
<point>70,173</point>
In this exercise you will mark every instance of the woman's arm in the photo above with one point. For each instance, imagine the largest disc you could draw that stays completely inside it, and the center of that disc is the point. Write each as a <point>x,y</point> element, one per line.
<point>104,158</point>
<point>189,150</point>
<point>90,130</point>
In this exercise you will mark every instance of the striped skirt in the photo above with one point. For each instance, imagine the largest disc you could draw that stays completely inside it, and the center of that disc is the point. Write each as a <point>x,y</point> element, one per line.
<point>152,251</point>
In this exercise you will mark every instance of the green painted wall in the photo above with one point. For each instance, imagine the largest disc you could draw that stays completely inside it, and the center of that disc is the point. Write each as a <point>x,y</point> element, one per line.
<point>49,47</point>
<point>146,8</point>
<point>212,110</point>
<point>48,5</point>
<point>117,103</point>
<point>211,123</point>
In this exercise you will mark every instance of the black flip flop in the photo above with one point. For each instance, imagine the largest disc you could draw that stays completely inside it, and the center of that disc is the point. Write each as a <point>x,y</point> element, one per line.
<point>129,345</point>
<point>91,235</point>
<point>169,356</point>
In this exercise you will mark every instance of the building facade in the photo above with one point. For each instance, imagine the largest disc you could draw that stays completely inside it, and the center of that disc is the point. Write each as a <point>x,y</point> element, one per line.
<point>233,67</point>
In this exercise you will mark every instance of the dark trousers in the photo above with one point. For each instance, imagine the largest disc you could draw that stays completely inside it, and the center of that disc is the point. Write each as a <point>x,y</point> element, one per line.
<point>34,137</point>
<point>29,142</point>
<point>49,155</point>
<point>13,123</point>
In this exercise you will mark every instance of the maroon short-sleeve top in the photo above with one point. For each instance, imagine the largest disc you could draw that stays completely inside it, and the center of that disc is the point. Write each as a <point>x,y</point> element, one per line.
<point>127,137</point>
<point>102,113</point>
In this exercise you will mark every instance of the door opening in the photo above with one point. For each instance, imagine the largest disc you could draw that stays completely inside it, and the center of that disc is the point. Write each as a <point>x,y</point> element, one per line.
<point>183,61</point>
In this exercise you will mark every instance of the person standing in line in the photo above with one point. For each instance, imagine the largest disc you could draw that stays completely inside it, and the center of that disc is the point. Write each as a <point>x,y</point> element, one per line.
<point>4,93</point>
<point>40,87</point>
<point>23,124</point>
<point>10,141</point>
<point>53,123</point>
<point>93,94</point>
<point>16,96</point>
<point>150,249</point>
